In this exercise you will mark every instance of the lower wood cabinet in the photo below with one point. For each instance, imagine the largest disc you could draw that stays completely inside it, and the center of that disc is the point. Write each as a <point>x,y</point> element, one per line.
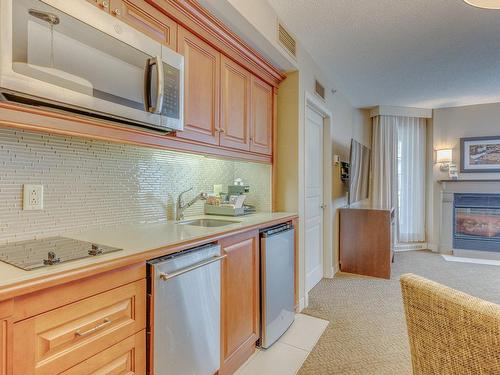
<point>126,357</point>
<point>4,347</point>
<point>97,324</point>
<point>240,300</point>
<point>96,332</point>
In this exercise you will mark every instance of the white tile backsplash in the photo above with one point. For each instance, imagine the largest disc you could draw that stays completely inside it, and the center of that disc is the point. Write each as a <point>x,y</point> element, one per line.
<point>89,183</point>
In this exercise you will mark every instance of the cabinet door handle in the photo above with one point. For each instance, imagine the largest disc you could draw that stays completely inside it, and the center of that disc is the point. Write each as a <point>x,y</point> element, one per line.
<point>105,322</point>
<point>323,205</point>
<point>222,130</point>
<point>116,12</point>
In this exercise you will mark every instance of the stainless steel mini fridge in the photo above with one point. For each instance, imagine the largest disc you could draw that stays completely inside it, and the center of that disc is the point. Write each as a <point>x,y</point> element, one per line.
<point>277,282</point>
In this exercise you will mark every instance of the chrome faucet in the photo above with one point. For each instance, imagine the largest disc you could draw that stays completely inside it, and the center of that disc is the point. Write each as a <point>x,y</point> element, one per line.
<point>180,208</point>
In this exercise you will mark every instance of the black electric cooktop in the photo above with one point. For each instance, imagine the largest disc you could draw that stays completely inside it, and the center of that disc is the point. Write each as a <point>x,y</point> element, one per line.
<point>32,254</point>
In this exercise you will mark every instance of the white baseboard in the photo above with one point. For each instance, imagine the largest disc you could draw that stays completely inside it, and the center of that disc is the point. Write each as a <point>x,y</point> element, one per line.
<point>329,273</point>
<point>303,303</point>
<point>433,247</point>
<point>411,247</point>
<point>300,306</point>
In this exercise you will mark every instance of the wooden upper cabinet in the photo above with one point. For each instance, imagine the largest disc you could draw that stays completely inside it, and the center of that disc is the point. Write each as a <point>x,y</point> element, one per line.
<point>240,301</point>
<point>201,88</point>
<point>145,18</point>
<point>235,105</point>
<point>261,125</point>
<point>101,4</point>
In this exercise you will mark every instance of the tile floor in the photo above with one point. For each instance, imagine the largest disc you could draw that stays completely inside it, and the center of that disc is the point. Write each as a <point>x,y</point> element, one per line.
<point>287,355</point>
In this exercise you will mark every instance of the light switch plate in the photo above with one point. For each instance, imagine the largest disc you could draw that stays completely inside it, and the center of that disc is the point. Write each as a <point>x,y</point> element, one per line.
<point>33,197</point>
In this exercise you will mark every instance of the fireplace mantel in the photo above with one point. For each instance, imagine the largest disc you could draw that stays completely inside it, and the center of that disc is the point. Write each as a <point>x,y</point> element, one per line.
<point>469,180</point>
<point>470,185</point>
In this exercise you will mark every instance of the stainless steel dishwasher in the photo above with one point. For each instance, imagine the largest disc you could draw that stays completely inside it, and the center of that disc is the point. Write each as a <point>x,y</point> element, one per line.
<point>184,292</point>
<point>277,282</point>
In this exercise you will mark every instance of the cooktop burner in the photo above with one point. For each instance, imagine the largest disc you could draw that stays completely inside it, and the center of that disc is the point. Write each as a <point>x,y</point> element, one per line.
<point>32,254</point>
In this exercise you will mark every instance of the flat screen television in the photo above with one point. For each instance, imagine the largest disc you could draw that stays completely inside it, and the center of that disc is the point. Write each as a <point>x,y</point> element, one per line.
<point>359,176</point>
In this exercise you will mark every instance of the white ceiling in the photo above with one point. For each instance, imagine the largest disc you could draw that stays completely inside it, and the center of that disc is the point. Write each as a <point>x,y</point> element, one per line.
<point>423,53</point>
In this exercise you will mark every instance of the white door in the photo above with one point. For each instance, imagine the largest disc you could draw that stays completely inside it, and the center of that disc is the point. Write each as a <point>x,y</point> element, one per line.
<point>314,198</point>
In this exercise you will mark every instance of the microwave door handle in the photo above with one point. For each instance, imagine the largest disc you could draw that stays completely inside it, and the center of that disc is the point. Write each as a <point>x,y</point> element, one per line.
<point>147,85</point>
<point>160,84</point>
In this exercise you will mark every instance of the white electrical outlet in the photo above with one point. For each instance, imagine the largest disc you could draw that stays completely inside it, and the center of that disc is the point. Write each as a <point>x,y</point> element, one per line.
<point>33,197</point>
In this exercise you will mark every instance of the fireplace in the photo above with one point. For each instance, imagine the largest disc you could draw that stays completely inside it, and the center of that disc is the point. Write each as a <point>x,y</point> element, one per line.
<point>476,222</point>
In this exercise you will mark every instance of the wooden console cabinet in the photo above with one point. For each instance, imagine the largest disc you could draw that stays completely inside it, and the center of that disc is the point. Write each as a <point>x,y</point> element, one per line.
<point>366,245</point>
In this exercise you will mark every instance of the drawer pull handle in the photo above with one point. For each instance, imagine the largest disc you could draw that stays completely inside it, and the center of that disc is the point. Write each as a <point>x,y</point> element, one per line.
<point>98,327</point>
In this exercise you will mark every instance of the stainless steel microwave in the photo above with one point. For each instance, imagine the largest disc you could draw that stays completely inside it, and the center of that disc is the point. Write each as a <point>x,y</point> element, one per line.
<point>72,56</point>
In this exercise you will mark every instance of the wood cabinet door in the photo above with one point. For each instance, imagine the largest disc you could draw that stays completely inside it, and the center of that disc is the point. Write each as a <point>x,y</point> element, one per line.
<point>261,128</point>
<point>6,310</point>
<point>5,346</point>
<point>101,4</point>
<point>148,20</point>
<point>240,300</point>
<point>235,105</point>
<point>126,357</point>
<point>201,88</point>
<point>58,340</point>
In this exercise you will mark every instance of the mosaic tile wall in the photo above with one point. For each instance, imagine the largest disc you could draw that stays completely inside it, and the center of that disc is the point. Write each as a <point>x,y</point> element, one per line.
<point>90,183</point>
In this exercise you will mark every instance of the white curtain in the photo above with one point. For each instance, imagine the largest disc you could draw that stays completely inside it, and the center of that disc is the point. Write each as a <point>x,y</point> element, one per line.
<point>398,172</point>
<point>411,158</point>
<point>384,186</point>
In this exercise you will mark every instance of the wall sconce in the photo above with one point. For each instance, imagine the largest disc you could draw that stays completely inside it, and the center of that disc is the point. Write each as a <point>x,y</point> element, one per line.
<point>444,157</point>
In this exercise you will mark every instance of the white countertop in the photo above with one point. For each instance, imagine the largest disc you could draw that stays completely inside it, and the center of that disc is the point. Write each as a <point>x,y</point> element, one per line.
<point>136,239</point>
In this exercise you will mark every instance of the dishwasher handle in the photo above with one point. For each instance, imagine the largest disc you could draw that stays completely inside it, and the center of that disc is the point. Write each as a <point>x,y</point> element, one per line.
<point>278,229</point>
<point>167,276</point>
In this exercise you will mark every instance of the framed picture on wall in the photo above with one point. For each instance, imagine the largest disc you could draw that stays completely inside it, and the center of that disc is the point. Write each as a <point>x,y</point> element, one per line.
<point>480,154</point>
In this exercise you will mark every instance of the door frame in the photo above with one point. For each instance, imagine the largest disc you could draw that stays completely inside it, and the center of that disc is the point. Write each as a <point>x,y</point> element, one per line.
<point>319,106</point>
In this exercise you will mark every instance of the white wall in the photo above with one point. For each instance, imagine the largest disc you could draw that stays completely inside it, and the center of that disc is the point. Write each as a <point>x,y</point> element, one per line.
<point>448,126</point>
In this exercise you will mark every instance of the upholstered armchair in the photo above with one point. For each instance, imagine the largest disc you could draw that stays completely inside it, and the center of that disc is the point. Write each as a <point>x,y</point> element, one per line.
<point>450,332</point>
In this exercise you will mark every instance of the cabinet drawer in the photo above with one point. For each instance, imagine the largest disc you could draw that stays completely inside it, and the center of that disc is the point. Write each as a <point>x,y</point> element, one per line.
<point>55,341</point>
<point>126,357</point>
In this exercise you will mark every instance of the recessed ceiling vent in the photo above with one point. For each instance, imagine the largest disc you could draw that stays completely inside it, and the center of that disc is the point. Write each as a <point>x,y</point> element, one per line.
<point>286,40</point>
<point>319,89</point>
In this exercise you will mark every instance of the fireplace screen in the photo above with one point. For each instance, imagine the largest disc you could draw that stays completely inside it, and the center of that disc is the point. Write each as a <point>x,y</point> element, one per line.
<point>477,222</point>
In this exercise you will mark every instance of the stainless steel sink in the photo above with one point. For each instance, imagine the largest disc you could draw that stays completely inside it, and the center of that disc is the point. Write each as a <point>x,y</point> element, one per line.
<point>208,223</point>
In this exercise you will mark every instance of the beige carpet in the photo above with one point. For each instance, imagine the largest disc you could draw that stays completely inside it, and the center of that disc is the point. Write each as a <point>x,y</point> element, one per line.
<point>367,332</point>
